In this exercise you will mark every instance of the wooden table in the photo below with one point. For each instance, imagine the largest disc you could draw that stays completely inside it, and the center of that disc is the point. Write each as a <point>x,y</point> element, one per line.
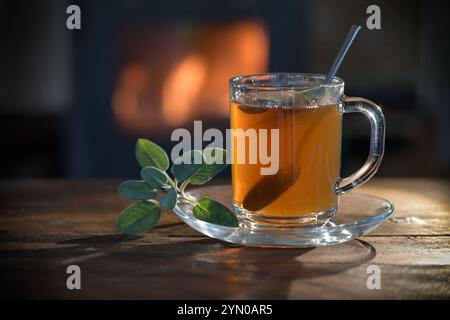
<point>45,226</point>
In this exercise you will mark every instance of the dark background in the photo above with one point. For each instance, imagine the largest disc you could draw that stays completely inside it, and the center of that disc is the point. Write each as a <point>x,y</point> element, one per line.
<point>57,86</point>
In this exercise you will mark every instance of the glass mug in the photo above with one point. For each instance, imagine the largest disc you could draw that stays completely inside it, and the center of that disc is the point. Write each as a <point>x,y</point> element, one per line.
<point>307,114</point>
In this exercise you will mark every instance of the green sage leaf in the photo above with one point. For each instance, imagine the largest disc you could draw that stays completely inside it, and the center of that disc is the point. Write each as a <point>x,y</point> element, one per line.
<point>154,177</point>
<point>138,217</point>
<point>169,200</point>
<point>212,211</point>
<point>136,190</point>
<point>210,167</point>
<point>185,167</point>
<point>149,154</point>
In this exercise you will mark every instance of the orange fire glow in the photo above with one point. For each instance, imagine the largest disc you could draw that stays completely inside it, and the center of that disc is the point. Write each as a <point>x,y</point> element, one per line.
<point>189,80</point>
<point>182,89</point>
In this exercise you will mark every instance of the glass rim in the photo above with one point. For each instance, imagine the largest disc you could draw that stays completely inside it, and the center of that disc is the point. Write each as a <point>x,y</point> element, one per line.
<point>246,82</point>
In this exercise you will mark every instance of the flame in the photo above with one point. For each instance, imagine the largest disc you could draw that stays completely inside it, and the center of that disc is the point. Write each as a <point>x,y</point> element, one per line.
<point>133,81</point>
<point>182,89</point>
<point>192,73</point>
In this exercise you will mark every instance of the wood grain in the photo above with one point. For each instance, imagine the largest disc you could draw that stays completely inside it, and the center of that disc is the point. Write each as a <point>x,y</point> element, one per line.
<point>47,225</point>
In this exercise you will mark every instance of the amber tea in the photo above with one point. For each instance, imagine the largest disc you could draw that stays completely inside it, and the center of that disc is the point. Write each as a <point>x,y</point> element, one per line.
<point>309,161</point>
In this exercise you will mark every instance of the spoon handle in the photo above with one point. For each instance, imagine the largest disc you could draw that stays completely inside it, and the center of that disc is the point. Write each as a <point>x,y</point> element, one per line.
<point>351,35</point>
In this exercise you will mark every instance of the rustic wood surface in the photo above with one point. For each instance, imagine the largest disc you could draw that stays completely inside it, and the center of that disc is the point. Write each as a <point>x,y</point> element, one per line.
<point>46,226</point>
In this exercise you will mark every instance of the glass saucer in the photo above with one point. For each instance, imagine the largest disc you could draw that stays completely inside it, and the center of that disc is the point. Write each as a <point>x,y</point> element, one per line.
<point>357,215</point>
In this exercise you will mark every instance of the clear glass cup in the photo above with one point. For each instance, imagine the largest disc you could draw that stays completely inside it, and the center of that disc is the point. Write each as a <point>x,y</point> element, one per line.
<point>299,117</point>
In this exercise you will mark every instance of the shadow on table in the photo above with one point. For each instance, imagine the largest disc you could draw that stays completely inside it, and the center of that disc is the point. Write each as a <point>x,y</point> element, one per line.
<point>117,266</point>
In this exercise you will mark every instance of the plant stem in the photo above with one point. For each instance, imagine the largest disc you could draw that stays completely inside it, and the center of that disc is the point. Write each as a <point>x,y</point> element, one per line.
<point>182,188</point>
<point>170,181</point>
<point>189,200</point>
<point>184,185</point>
<point>175,184</point>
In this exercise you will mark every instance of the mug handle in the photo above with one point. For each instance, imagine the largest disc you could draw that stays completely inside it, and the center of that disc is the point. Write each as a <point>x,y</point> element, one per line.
<point>377,132</point>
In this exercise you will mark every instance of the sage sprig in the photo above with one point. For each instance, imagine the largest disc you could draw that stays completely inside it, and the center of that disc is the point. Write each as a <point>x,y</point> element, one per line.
<point>158,190</point>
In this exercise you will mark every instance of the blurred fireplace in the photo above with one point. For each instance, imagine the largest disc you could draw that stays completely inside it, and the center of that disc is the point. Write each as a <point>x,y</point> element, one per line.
<point>144,68</point>
<point>169,76</point>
